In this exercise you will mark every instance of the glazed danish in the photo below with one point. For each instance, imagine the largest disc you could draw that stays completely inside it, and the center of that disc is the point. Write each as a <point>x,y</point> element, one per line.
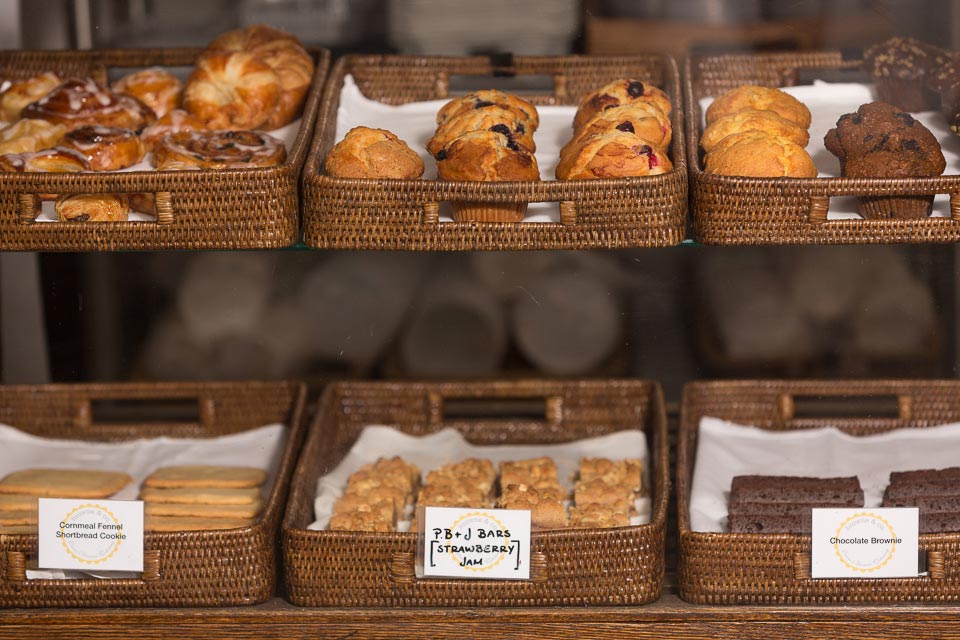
<point>22,92</point>
<point>56,160</point>
<point>231,90</point>
<point>30,135</point>
<point>82,101</point>
<point>218,150</point>
<point>175,121</point>
<point>106,148</point>
<point>157,88</point>
<point>92,207</point>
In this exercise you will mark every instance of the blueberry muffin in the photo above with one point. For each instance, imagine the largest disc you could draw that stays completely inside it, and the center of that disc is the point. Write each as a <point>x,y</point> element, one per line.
<point>640,118</point>
<point>479,100</point>
<point>753,120</point>
<point>759,154</point>
<point>614,154</point>
<point>899,66</point>
<point>760,98</point>
<point>373,153</point>
<point>617,93</point>
<point>881,141</point>
<point>487,156</point>
<point>505,121</point>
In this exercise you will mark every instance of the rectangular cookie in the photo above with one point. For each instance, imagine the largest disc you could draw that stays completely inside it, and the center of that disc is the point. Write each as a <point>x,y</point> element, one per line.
<point>181,523</point>
<point>209,476</point>
<point>18,529</point>
<point>65,483</point>
<point>202,510</point>
<point>795,489</point>
<point>17,502</point>
<point>19,517</point>
<point>250,495</point>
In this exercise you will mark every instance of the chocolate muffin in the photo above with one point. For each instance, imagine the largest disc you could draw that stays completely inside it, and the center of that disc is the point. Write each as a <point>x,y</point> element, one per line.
<point>881,141</point>
<point>899,66</point>
<point>943,77</point>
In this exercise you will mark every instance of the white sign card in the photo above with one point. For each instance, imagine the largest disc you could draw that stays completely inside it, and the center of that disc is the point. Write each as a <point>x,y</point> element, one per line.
<point>105,535</point>
<point>473,543</point>
<point>865,543</point>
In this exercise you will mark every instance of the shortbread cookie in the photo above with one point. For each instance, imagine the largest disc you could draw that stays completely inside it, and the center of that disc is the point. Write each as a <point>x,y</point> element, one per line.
<point>17,502</point>
<point>248,495</point>
<point>180,523</point>
<point>201,510</point>
<point>65,483</point>
<point>18,517</point>
<point>206,476</point>
<point>18,529</point>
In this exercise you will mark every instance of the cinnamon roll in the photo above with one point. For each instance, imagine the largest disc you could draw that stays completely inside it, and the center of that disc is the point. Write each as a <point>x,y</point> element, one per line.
<point>157,88</point>
<point>92,207</point>
<point>106,148</point>
<point>176,120</point>
<point>22,92</point>
<point>27,135</point>
<point>56,160</point>
<point>82,101</point>
<point>218,150</point>
<point>232,90</point>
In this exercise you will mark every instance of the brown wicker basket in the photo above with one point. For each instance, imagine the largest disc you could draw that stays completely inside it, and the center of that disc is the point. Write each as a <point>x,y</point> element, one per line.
<point>736,568</point>
<point>226,209</point>
<point>344,213</point>
<point>758,211</point>
<point>190,568</point>
<point>571,567</point>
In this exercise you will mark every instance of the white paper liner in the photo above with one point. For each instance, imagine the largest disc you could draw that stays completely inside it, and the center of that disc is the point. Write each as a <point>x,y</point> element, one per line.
<point>828,101</point>
<point>261,448</point>
<point>416,122</point>
<point>287,134</point>
<point>448,445</point>
<point>726,449</point>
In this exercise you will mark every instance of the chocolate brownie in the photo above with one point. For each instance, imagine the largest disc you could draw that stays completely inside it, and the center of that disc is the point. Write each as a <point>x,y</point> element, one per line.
<point>928,487</point>
<point>897,477</point>
<point>740,507</point>
<point>795,489</point>
<point>881,141</point>
<point>926,504</point>
<point>940,522</point>
<point>765,524</point>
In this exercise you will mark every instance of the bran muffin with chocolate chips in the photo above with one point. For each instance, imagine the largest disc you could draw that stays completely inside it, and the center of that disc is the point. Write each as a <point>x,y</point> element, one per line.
<point>881,141</point>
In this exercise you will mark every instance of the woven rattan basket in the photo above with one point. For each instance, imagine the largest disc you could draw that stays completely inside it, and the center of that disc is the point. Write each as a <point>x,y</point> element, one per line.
<point>206,209</point>
<point>735,568</point>
<point>190,568</point>
<point>570,567</point>
<point>758,211</point>
<point>404,214</point>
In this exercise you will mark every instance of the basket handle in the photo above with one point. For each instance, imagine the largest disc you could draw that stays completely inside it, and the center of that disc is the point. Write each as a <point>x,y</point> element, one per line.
<point>403,570</point>
<point>490,405</point>
<point>120,412</point>
<point>16,567</point>
<point>820,205</point>
<point>29,207</point>
<point>825,406</point>
<point>935,566</point>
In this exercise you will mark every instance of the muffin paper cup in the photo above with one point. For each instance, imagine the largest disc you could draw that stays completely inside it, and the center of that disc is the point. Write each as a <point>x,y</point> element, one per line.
<point>896,208</point>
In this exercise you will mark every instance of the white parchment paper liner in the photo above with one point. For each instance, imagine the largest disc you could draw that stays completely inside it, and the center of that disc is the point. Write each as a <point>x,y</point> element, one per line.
<point>726,449</point>
<point>828,101</point>
<point>261,448</point>
<point>448,445</point>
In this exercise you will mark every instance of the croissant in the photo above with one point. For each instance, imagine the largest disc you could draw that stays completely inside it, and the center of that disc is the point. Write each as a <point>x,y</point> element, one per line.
<point>231,90</point>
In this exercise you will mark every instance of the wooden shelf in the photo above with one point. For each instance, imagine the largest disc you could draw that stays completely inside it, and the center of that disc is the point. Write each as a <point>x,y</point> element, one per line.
<point>670,617</point>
